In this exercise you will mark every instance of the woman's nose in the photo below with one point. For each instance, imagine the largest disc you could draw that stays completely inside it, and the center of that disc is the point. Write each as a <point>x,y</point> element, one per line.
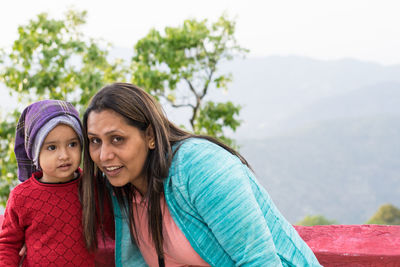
<point>106,153</point>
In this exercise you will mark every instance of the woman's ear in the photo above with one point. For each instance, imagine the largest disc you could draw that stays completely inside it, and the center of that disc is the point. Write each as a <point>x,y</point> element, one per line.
<point>150,139</point>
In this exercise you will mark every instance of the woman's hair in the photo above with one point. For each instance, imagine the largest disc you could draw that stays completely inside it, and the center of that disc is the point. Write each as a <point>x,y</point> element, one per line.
<point>140,110</point>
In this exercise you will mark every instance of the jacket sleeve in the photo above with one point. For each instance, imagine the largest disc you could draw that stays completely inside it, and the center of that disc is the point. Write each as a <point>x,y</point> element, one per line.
<point>11,235</point>
<point>220,191</point>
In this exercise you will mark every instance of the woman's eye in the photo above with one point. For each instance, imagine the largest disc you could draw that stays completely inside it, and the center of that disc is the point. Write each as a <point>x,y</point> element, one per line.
<point>94,140</point>
<point>117,139</point>
<point>51,147</point>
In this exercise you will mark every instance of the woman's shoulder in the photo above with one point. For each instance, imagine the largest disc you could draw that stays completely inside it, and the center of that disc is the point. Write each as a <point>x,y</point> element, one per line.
<point>194,145</point>
<point>196,154</point>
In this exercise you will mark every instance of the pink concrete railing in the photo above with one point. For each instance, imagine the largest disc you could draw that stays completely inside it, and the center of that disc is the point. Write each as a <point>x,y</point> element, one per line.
<point>342,245</point>
<point>354,245</point>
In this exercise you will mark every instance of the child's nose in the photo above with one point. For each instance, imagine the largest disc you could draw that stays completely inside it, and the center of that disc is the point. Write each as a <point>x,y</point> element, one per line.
<point>63,154</point>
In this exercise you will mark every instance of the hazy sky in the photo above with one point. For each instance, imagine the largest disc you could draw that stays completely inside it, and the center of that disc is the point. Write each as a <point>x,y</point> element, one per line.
<point>368,30</point>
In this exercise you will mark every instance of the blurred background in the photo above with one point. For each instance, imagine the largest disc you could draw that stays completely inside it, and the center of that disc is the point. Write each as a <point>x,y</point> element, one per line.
<point>308,91</point>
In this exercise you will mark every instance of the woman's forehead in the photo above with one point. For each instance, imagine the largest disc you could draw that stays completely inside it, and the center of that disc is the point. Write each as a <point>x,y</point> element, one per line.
<point>106,122</point>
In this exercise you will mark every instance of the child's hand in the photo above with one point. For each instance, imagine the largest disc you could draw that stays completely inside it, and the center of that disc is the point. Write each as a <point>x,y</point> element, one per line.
<point>22,251</point>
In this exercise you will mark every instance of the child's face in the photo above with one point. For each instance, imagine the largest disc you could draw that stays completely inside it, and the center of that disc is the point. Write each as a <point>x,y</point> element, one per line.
<point>60,155</point>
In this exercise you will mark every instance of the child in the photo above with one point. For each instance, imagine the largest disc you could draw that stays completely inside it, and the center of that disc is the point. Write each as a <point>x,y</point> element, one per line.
<point>44,212</point>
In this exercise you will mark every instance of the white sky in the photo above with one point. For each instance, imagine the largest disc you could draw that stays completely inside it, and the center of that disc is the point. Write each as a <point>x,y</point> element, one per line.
<point>368,30</point>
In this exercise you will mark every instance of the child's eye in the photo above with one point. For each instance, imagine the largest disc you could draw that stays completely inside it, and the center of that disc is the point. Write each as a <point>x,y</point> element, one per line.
<point>73,144</point>
<point>51,147</point>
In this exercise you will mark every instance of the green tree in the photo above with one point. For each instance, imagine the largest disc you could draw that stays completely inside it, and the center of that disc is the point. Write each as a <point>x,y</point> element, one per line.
<point>180,66</point>
<point>387,214</point>
<point>311,220</point>
<point>8,163</point>
<point>51,59</point>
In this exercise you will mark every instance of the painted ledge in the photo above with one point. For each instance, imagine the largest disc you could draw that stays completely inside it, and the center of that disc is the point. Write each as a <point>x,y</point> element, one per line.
<point>353,245</point>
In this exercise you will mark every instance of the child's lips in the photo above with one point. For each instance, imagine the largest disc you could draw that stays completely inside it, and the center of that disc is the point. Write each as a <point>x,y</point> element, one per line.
<point>65,166</point>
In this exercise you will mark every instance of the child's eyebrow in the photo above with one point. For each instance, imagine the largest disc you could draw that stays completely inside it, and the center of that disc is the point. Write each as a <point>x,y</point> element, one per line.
<point>49,142</point>
<point>54,142</point>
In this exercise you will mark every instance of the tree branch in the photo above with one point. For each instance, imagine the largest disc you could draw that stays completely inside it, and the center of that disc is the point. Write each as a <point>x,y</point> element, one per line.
<point>198,102</point>
<point>183,105</point>
<point>191,87</point>
<point>177,105</point>
<point>205,89</point>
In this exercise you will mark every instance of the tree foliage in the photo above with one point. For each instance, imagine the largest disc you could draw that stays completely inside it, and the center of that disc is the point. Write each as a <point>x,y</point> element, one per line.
<point>53,59</point>
<point>311,220</point>
<point>181,64</point>
<point>8,163</point>
<point>387,214</point>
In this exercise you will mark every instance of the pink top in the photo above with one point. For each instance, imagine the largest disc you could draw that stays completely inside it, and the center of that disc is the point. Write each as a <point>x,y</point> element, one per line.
<point>177,249</point>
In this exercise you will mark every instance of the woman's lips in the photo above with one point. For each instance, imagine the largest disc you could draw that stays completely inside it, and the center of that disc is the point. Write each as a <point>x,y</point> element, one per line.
<point>112,171</point>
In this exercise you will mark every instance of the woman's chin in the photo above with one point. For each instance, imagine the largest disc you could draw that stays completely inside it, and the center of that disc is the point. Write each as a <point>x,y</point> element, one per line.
<point>116,183</point>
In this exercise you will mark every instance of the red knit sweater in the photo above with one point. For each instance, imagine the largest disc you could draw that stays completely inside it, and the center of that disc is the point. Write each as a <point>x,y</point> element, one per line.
<point>47,218</point>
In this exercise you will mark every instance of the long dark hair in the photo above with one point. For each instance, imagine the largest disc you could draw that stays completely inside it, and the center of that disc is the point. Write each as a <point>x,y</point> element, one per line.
<point>140,110</point>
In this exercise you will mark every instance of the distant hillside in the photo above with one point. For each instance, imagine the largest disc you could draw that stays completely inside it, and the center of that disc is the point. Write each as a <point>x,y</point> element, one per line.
<point>378,99</point>
<point>272,90</point>
<point>344,169</point>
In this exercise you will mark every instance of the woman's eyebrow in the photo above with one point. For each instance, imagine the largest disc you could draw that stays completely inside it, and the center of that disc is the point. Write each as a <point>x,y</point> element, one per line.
<point>107,133</point>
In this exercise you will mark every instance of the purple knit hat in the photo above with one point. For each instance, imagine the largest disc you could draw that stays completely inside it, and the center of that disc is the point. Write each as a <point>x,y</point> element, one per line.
<point>31,121</point>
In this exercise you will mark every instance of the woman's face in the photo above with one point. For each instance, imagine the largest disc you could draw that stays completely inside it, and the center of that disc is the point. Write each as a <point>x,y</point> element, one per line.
<point>118,149</point>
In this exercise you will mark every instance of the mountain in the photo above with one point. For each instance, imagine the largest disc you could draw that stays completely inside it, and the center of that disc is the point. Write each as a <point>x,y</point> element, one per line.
<point>343,169</point>
<point>378,99</point>
<point>272,90</point>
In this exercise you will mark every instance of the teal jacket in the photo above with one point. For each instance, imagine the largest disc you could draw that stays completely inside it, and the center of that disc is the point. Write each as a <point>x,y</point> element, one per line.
<point>226,215</point>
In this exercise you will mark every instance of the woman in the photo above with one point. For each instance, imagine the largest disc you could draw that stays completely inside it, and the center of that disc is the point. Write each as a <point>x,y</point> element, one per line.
<point>179,199</point>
